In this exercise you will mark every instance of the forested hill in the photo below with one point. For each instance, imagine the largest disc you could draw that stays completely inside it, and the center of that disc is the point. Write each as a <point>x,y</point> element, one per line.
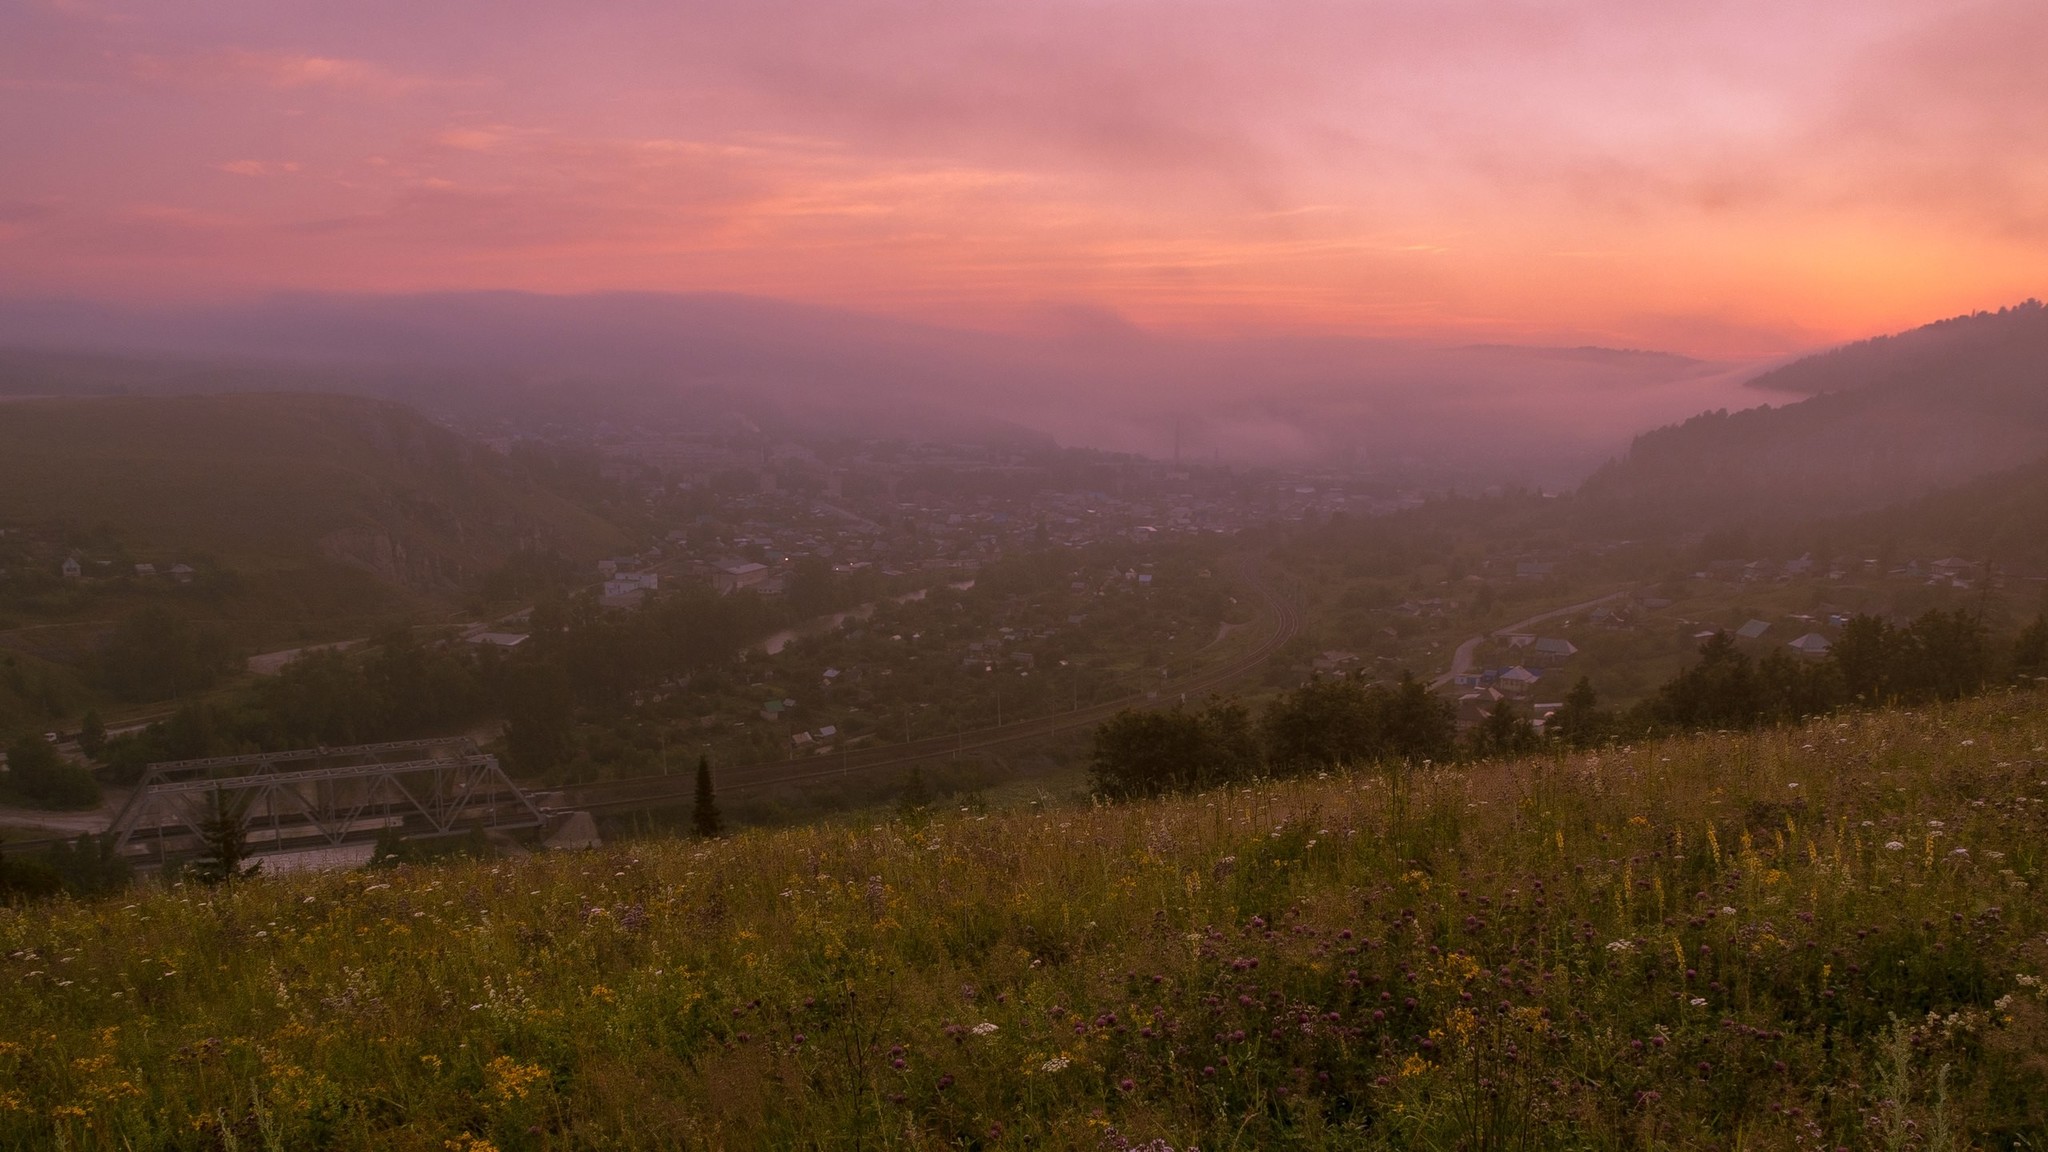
<point>277,478</point>
<point>2002,517</point>
<point>1887,420</point>
<point>1984,351</point>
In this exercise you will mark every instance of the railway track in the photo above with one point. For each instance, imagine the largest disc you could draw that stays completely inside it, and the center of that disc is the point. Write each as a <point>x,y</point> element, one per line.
<point>644,793</point>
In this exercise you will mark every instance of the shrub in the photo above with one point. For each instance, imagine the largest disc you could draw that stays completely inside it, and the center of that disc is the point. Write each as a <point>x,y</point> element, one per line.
<point>38,775</point>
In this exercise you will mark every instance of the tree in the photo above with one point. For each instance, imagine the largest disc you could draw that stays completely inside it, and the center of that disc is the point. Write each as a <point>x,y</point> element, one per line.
<point>541,716</point>
<point>704,817</point>
<point>1503,733</point>
<point>92,735</point>
<point>1868,655</point>
<point>1324,724</point>
<point>1952,655</point>
<point>27,878</point>
<point>1719,691</point>
<point>1151,753</point>
<point>88,865</point>
<point>1420,725</point>
<point>1146,753</point>
<point>916,799</point>
<point>155,653</point>
<point>224,844</point>
<point>41,777</point>
<point>2030,649</point>
<point>1581,722</point>
<point>813,590</point>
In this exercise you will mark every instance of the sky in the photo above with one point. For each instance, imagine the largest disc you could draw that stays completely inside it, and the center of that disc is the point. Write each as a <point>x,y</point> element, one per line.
<point>1731,179</point>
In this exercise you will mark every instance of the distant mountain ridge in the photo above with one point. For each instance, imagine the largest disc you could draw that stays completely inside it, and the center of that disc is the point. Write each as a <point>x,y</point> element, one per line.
<point>1885,420</point>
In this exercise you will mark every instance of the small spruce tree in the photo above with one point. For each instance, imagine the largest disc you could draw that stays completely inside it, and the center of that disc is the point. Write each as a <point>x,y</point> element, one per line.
<point>916,800</point>
<point>224,845</point>
<point>704,818</point>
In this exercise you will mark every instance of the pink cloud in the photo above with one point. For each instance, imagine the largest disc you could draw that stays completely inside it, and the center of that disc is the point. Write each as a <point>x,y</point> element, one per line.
<point>1737,177</point>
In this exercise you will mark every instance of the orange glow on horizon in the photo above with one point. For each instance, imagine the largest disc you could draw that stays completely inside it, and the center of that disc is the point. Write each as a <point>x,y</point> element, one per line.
<point>1739,182</point>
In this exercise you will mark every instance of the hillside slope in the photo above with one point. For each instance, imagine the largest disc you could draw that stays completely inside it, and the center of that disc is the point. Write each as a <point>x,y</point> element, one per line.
<point>1772,940</point>
<point>268,478</point>
<point>2002,517</point>
<point>1885,420</point>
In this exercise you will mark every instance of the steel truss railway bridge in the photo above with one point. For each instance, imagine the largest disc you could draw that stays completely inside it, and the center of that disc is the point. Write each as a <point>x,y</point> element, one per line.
<point>321,798</point>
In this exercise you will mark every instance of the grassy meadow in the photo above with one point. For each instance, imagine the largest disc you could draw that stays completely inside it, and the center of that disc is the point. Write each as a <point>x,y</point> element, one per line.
<point>1816,938</point>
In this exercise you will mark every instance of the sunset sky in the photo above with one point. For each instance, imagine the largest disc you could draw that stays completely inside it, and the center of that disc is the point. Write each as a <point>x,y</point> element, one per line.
<point>1728,179</point>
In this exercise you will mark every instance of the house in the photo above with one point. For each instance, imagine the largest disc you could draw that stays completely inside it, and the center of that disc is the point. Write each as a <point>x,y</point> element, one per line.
<point>497,639</point>
<point>1811,644</point>
<point>1555,650</point>
<point>1754,630</point>
<point>1334,661</point>
<point>1517,680</point>
<point>630,584</point>
<point>1475,707</point>
<point>737,574</point>
<point>182,573</point>
<point>145,569</point>
<point>71,569</point>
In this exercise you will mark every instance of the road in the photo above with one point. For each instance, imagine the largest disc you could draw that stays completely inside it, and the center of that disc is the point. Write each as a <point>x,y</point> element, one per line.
<point>1461,660</point>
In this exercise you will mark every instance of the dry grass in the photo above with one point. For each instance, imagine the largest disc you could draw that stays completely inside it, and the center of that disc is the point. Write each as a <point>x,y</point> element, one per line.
<point>1703,943</point>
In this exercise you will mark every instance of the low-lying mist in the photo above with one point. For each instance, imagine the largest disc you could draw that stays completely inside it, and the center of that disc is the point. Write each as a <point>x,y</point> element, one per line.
<point>1468,415</point>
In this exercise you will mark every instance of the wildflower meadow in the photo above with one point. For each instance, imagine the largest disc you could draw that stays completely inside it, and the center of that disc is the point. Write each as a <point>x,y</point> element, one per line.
<point>1816,937</point>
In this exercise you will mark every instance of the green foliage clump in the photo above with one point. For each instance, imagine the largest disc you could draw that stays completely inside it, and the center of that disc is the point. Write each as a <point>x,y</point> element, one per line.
<point>1322,724</point>
<point>37,775</point>
<point>87,866</point>
<point>1151,753</point>
<point>157,654</point>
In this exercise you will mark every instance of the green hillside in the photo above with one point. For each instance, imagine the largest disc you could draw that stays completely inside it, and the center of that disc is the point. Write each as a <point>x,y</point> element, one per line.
<point>263,479</point>
<point>1820,937</point>
<point>1885,421</point>
<point>2002,517</point>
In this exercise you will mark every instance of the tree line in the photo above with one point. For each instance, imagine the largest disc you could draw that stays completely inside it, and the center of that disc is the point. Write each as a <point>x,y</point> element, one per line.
<point>579,660</point>
<point>1344,722</point>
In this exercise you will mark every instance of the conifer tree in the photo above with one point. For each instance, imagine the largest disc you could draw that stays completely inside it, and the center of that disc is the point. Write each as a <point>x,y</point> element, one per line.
<point>704,818</point>
<point>224,845</point>
<point>916,800</point>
